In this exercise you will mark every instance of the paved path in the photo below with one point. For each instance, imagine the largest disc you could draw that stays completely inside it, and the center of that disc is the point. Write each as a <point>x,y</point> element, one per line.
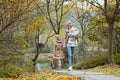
<point>89,75</point>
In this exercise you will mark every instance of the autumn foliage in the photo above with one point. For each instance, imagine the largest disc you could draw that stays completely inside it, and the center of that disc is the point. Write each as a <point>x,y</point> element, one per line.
<point>45,75</point>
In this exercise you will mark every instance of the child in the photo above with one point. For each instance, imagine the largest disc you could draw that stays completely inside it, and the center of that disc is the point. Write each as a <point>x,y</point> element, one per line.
<point>58,50</point>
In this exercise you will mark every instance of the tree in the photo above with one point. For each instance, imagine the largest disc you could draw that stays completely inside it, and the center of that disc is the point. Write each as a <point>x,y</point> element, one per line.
<point>15,19</point>
<point>82,14</point>
<point>12,11</point>
<point>55,11</point>
<point>110,17</point>
<point>98,31</point>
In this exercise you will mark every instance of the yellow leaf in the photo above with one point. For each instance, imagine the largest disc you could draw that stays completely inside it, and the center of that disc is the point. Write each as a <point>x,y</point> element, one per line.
<point>0,1</point>
<point>73,1</point>
<point>66,6</point>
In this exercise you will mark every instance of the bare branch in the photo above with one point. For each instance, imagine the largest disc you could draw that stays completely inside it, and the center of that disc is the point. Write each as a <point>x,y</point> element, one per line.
<point>117,10</point>
<point>98,5</point>
<point>68,9</point>
<point>49,36</point>
<point>49,16</point>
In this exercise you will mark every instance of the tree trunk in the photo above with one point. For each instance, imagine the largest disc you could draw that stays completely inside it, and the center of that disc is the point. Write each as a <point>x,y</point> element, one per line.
<point>110,57</point>
<point>98,50</point>
<point>83,45</point>
<point>36,56</point>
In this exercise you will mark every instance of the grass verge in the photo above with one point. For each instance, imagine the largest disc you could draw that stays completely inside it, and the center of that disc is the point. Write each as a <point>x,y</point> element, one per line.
<point>110,69</point>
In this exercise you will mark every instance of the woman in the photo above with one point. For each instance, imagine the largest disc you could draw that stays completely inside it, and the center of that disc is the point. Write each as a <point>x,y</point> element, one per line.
<point>71,42</point>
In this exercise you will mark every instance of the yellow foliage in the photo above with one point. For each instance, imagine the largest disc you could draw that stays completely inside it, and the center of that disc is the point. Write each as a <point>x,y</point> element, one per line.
<point>12,13</point>
<point>86,10</point>
<point>8,6</point>
<point>94,8</point>
<point>27,14</point>
<point>73,1</point>
<point>6,1</point>
<point>82,0</point>
<point>0,1</point>
<point>118,24</point>
<point>112,3</point>
<point>105,24</point>
<point>38,23</point>
<point>98,27</point>
<point>102,19</point>
<point>15,2</point>
<point>27,4</point>
<point>77,8</point>
<point>23,7</point>
<point>18,5</point>
<point>66,6</point>
<point>45,75</point>
<point>22,1</point>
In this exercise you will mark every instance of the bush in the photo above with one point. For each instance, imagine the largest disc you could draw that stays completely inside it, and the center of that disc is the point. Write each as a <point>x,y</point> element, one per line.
<point>10,70</point>
<point>42,61</point>
<point>117,58</point>
<point>96,61</point>
<point>1,72</point>
<point>28,68</point>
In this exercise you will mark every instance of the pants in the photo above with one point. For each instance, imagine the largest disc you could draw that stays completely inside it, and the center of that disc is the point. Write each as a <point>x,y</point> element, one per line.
<point>70,54</point>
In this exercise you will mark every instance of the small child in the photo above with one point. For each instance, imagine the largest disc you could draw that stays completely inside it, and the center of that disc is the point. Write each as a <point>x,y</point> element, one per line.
<point>58,50</point>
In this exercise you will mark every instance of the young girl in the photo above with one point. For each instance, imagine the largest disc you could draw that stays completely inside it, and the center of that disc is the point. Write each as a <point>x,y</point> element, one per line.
<point>58,50</point>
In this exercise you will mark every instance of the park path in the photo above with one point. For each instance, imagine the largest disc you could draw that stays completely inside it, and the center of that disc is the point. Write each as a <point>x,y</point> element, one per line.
<point>89,75</point>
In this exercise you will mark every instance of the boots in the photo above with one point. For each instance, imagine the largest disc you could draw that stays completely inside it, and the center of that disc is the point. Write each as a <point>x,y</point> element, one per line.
<point>70,68</point>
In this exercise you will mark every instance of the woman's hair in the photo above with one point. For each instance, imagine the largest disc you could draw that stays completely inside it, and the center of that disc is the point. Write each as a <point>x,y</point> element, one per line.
<point>69,22</point>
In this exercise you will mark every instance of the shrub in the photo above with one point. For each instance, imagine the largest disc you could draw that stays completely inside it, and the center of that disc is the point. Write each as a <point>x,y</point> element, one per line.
<point>1,72</point>
<point>92,62</point>
<point>42,61</point>
<point>10,70</point>
<point>28,68</point>
<point>96,61</point>
<point>117,58</point>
